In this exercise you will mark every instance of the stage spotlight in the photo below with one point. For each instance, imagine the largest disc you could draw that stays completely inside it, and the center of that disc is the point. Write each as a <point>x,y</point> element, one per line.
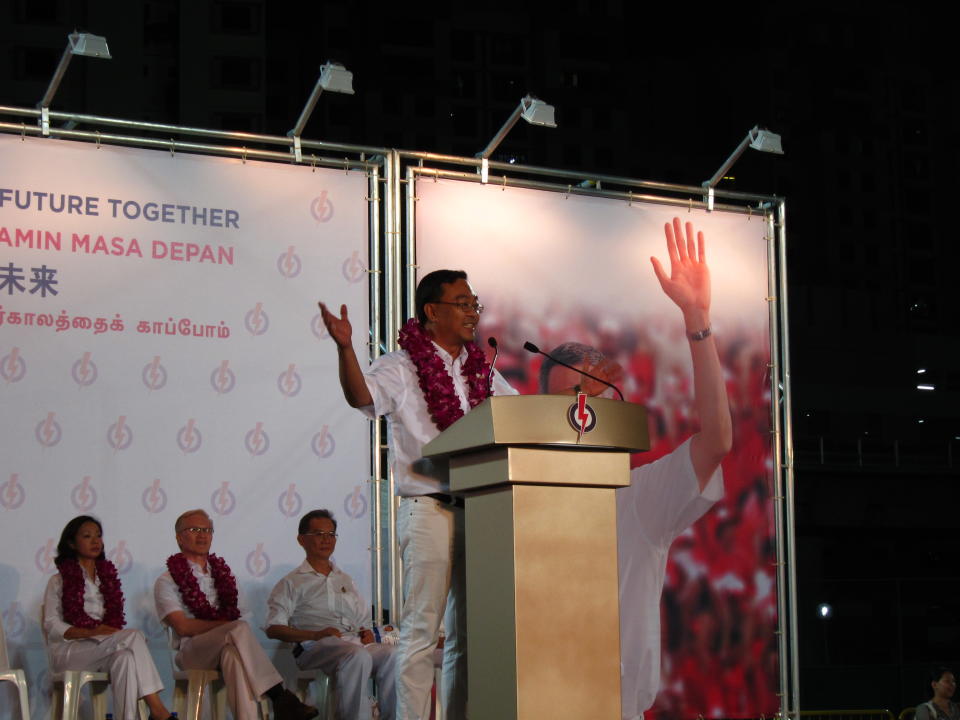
<point>334,77</point>
<point>531,109</point>
<point>758,139</point>
<point>85,44</point>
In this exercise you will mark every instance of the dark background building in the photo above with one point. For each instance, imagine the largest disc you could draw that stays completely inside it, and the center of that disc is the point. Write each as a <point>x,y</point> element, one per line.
<point>866,101</point>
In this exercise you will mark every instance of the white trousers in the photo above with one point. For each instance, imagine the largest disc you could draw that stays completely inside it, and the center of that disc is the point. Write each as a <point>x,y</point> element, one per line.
<point>352,665</point>
<point>434,577</point>
<point>124,655</point>
<point>232,649</point>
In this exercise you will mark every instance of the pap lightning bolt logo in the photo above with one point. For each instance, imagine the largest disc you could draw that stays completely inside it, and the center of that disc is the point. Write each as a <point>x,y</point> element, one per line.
<point>189,437</point>
<point>289,382</point>
<point>83,497</point>
<point>12,367</point>
<point>84,370</point>
<point>47,431</point>
<point>223,501</point>
<point>355,504</point>
<point>257,440</point>
<point>121,557</point>
<point>85,365</point>
<point>323,443</point>
<point>13,493</point>
<point>258,562</point>
<point>256,320</point>
<point>43,558</point>
<point>289,503</point>
<point>154,375</point>
<point>289,263</point>
<point>120,435</point>
<point>353,268</point>
<point>222,378</point>
<point>582,415</point>
<point>154,499</point>
<point>49,428</point>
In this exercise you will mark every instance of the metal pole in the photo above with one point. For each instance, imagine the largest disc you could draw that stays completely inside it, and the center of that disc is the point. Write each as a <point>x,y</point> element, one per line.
<point>80,118</point>
<point>411,241</point>
<point>788,466</point>
<point>778,499</point>
<point>577,177</point>
<point>741,148</point>
<point>188,147</point>
<point>501,133</point>
<point>57,77</point>
<point>373,188</point>
<point>307,110</point>
<point>630,197</point>
<point>392,280</point>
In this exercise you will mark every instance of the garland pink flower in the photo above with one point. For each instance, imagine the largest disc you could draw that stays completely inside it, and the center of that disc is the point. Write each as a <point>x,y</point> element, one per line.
<point>193,597</point>
<point>71,596</point>
<point>436,383</point>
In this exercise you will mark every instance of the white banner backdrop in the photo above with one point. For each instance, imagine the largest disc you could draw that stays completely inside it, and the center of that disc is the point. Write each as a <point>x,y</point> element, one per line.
<point>160,350</point>
<point>552,268</point>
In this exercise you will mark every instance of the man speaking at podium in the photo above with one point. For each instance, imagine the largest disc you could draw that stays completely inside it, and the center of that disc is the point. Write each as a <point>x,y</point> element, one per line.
<point>665,497</point>
<point>439,374</point>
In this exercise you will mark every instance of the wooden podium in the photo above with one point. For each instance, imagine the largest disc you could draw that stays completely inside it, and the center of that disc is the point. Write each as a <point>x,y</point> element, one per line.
<point>543,623</point>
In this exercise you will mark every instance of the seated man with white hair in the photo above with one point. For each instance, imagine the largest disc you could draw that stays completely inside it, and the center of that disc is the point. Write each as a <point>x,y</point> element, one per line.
<point>198,598</point>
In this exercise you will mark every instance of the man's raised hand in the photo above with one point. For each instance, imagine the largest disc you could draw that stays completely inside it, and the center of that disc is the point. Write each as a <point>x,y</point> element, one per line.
<point>339,328</point>
<point>688,283</point>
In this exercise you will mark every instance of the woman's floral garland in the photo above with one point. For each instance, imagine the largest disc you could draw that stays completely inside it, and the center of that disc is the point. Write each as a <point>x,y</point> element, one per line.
<point>435,381</point>
<point>71,597</point>
<point>193,596</point>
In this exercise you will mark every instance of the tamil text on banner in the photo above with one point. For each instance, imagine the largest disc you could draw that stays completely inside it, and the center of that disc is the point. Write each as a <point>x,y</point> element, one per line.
<point>161,350</point>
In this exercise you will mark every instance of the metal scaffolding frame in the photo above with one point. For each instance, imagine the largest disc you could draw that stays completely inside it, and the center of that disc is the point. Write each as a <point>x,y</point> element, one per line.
<point>392,279</point>
<point>772,211</point>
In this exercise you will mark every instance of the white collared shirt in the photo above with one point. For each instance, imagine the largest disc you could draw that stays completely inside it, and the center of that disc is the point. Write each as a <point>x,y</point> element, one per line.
<point>309,600</point>
<point>53,623</point>
<point>662,500</point>
<point>395,389</point>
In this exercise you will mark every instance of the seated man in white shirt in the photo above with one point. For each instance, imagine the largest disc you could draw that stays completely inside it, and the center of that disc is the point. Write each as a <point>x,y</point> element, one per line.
<point>318,607</point>
<point>198,598</point>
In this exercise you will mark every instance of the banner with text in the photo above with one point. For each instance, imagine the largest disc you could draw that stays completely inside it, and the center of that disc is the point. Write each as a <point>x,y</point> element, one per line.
<point>161,350</point>
<point>553,269</point>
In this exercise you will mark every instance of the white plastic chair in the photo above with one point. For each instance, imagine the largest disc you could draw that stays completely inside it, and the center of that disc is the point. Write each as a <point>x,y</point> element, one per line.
<point>324,692</point>
<point>66,687</point>
<point>15,676</point>
<point>189,687</point>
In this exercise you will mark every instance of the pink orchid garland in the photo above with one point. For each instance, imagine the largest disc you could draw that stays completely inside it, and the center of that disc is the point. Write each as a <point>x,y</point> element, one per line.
<point>436,383</point>
<point>193,597</point>
<point>71,596</point>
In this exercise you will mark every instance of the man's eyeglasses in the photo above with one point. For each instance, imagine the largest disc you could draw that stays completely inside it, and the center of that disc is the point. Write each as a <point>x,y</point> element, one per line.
<point>465,307</point>
<point>198,530</point>
<point>321,533</point>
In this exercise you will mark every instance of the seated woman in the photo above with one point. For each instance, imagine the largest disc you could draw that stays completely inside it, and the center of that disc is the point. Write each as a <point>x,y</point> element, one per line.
<point>940,707</point>
<point>83,622</point>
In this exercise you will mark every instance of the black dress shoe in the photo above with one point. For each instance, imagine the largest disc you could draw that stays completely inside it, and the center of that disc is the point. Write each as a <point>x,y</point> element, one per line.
<point>289,707</point>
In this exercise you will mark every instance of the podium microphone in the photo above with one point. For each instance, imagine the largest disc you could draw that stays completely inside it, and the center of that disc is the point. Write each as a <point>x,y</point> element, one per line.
<point>530,347</point>
<point>492,342</point>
